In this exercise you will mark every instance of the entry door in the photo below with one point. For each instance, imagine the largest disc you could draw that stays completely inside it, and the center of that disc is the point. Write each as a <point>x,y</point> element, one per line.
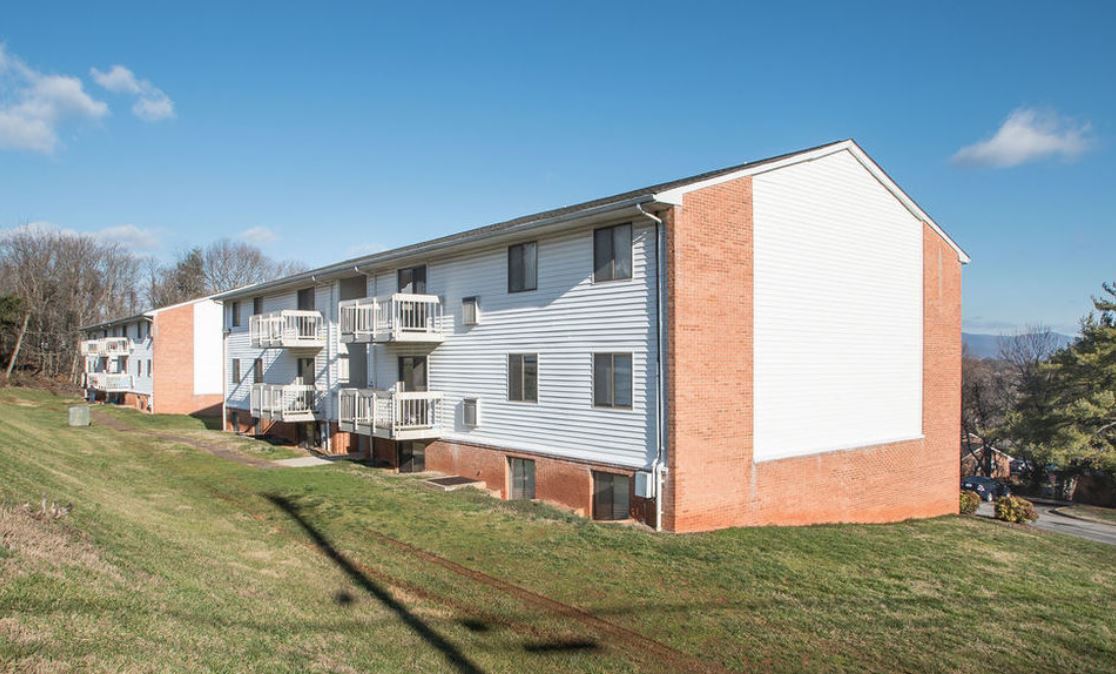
<point>412,456</point>
<point>305,371</point>
<point>412,373</point>
<point>412,280</point>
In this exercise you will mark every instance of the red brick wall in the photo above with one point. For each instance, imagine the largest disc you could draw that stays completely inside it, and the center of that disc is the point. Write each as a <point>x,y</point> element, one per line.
<point>709,314</point>
<point>712,481</point>
<point>173,364</point>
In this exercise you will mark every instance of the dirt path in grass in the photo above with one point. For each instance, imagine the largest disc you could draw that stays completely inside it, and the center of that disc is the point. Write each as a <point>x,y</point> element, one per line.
<point>224,452</point>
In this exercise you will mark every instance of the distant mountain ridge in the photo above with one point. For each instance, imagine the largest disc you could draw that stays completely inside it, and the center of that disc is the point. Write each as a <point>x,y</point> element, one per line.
<point>988,346</point>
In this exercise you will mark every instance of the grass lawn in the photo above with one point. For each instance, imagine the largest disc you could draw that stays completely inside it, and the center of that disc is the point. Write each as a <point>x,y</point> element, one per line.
<point>1107,515</point>
<point>177,559</point>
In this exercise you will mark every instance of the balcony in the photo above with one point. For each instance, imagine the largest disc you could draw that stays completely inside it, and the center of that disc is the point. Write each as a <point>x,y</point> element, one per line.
<point>401,318</point>
<point>107,346</point>
<point>286,402</point>
<point>288,329</point>
<point>390,414</point>
<point>108,382</point>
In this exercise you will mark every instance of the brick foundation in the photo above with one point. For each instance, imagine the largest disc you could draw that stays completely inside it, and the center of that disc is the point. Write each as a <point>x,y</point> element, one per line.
<point>712,482</point>
<point>563,483</point>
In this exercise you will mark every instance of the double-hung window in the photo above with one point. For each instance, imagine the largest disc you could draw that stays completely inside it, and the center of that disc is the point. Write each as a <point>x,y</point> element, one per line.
<point>612,380</point>
<point>523,267</point>
<point>612,253</point>
<point>257,306</point>
<point>523,377</point>
<point>236,370</point>
<point>234,308</point>
<point>257,371</point>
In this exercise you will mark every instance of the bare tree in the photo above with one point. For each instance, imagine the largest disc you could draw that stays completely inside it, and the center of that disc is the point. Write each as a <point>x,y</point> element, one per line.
<point>220,266</point>
<point>61,281</point>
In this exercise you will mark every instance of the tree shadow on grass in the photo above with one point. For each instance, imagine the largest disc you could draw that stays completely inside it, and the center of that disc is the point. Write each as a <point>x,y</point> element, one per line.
<point>455,657</point>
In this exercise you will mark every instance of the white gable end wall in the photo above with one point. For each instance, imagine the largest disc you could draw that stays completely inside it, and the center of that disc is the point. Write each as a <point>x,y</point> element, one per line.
<point>207,347</point>
<point>837,311</point>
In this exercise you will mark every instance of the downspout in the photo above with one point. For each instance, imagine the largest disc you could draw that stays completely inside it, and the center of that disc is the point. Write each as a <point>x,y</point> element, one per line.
<point>658,466</point>
<point>331,362</point>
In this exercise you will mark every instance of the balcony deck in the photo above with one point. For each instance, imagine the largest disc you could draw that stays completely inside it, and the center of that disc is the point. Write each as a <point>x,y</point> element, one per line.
<point>287,329</point>
<point>391,414</point>
<point>107,347</point>
<point>401,318</point>
<point>109,382</point>
<point>286,402</point>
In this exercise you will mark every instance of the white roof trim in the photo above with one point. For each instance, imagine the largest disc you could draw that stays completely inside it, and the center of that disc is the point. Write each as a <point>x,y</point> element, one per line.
<point>674,196</point>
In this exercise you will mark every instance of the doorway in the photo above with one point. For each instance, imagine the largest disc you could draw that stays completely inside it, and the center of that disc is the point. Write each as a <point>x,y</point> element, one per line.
<point>412,280</point>
<point>412,373</point>
<point>305,372</point>
<point>411,456</point>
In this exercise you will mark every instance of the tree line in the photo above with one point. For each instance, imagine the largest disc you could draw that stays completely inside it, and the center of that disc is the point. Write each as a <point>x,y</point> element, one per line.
<point>52,283</point>
<point>1051,406</point>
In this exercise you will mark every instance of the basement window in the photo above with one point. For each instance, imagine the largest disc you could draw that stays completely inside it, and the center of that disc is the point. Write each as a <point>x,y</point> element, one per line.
<point>521,479</point>
<point>611,496</point>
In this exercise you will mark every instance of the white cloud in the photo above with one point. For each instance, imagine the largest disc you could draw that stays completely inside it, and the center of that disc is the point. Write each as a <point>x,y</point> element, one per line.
<point>33,105</point>
<point>151,105</point>
<point>130,236</point>
<point>258,235</point>
<point>1028,135</point>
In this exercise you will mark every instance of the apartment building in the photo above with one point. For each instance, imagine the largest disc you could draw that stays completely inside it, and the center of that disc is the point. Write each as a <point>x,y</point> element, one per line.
<point>776,342</point>
<point>166,360</point>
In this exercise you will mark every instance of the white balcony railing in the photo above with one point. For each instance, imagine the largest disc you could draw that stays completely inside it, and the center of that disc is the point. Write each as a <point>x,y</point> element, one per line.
<point>108,382</point>
<point>401,318</point>
<point>107,346</point>
<point>390,414</point>
<point>287,329</point>
<point>286,402</point>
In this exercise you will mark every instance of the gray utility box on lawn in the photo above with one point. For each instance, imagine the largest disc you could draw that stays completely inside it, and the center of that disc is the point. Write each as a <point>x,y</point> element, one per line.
<point>79,415</point>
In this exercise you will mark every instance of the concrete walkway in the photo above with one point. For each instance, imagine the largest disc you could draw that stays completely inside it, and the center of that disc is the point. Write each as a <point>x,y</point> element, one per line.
<point>303,462</point>
<point>1051,521</point>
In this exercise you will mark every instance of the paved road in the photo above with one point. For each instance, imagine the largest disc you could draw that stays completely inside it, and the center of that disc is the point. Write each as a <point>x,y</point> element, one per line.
<point>1052,521</point>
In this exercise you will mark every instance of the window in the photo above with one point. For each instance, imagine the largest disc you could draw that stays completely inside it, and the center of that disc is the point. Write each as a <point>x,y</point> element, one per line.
<point>523,377</point>
<point>611,496</point>
<point>257,306</point>
<point>139,368</point>
<point>236,370</point>
<point>306,299</point>
<point>612,379</point>
<point>470,310</point>
<point>234,309</point>
<point>471,412</point>
<point>257,371</point>
<point>522,479</point>
<point>149,372</point>
<point>523,267</point>
<point>612,253</point>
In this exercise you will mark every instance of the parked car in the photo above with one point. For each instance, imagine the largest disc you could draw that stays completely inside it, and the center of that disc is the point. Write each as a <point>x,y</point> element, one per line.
<point>987,488</point>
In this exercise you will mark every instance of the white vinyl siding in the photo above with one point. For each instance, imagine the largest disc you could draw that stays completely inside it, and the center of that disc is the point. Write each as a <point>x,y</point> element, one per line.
<point>838,311</point>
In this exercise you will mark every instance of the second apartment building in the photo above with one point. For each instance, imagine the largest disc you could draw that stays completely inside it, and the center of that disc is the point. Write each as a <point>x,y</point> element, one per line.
<point>775,342</point>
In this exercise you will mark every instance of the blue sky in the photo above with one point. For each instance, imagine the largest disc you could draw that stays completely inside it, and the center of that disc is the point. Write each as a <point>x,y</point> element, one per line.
<point>323,130</point>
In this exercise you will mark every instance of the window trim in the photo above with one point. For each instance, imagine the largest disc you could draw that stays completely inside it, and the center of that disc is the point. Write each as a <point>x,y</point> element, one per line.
<point>465,403</point>
<point>612,368</point>
<point>523,378</point>
<point>631,255</point>
<point>525,289</point>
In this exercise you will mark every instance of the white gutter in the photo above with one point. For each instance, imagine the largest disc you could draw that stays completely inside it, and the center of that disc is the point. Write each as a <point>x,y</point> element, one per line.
<point>657,467</point>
